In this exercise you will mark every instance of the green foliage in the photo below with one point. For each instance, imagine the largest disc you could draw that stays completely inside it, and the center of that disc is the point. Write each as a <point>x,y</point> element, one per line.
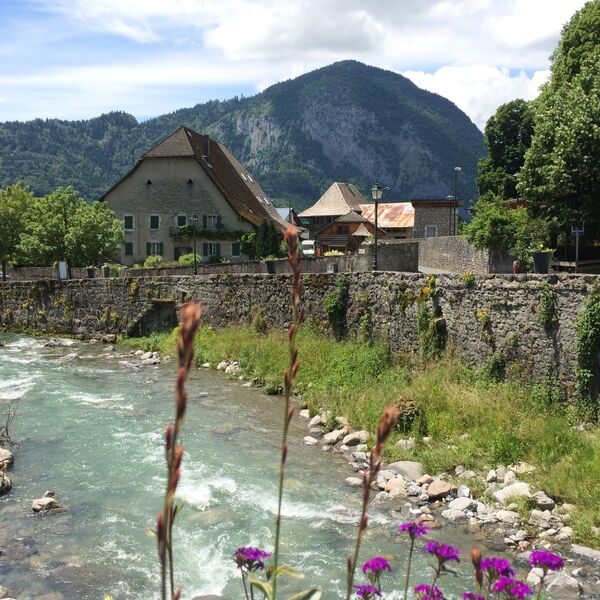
<point>494,368</point>
<point>587,351</point>
<point>153,262</point>
<point>507,447</point>
<point>15,201</point>
<point>432,339</point>
<point>507,137</point>
<point>468,280</point>
<point>63,226</point>
<point>495,226</point>
<point>187,260</point>
<point>267,241</point>
<point>560,175</point>
<point>547,315</point>
<point>335,305</point>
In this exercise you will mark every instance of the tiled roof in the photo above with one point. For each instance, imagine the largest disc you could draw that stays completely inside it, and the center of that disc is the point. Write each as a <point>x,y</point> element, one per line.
<point>232,179</point>
<point>338,200</point>
<point>390,215</point>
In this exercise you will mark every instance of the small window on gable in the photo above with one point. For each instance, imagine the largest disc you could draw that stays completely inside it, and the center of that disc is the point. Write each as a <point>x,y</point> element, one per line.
<point>154,222</point>
<point>431,231</point>
<point>148,182</point>
<point>243,176</point>
<point>190,181</point>
<point>128,222</point>
<point>181,220</point>
<point>249,177</point>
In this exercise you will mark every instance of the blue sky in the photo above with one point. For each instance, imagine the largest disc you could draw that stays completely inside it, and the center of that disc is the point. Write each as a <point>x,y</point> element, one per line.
<point>75,59</point>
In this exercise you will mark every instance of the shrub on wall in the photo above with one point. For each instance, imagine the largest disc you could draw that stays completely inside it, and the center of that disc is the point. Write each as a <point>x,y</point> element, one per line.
<point>153,262</point>
<point>587,350</point>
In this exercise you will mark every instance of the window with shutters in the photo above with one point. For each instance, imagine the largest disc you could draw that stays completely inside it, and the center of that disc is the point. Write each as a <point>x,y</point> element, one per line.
<point>154,248</point>
<point>236,249</point>
<point>211,249</point>
<point>128,249</point>
<point>181,220</point>
<point>154,222</point>
<point>128,222</point>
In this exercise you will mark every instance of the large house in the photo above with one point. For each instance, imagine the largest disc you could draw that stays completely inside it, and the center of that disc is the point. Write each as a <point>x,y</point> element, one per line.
<point>188,183</point>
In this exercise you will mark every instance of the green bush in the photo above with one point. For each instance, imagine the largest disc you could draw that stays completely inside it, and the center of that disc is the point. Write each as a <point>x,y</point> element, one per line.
<point>187,260</point>
<point>153,262</point>
<point>335,305</point>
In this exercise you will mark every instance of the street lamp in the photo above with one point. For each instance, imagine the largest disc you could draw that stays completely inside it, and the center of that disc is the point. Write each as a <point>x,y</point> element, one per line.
<point>456,172</point>
<point>194,220</point>
<point>376,193</point>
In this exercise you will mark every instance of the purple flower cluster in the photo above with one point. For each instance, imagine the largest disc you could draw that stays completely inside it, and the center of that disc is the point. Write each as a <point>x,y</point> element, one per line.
<point>443,552</point>
<point>497,567</point>
<point>250,558</point>
<point>424,592</point>
<point>472,596</point>
<point>376,566</point>
<point>546,560</point>
<point>414,529</point>
<point>512,588</point>
<point>367,591</point>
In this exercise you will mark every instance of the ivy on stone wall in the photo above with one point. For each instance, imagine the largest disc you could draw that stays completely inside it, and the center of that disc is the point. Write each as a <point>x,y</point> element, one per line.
<point>547,314</point>
<point>335,305</point>
<point>587,351</point>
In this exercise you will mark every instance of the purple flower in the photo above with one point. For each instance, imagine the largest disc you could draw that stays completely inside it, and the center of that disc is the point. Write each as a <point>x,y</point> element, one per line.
<point>546,560</point>
<point>443,552</point>
<point>424,592</point>
<point>472,596</point>
<point>497,567</point>
<point>512,588</point>
<point>367,591</point>
<point>250,558</point>
<point>376,566</point>
<point>414,528</point>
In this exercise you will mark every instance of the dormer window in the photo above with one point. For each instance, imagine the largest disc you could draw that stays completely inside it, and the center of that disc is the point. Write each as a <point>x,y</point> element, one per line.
<point>190,182</point>
<point>148,182</point>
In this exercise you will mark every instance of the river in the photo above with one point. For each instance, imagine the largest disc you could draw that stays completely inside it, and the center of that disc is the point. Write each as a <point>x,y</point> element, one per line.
<point>91,430</point>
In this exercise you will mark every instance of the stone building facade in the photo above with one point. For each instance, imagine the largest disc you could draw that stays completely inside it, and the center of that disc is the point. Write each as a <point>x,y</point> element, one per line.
<point>435,218</point>
<point>188,174</point>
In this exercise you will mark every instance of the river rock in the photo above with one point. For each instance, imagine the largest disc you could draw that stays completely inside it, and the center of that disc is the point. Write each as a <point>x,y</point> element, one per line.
<point>153,360</point>
<point>463,491</point>
<point>396,487</point>
<point>585,551</point>
<point>354,481</point>
<point>439,489</point>
<point>467,475</point>
<point>544,519</point>
<point>5,483</point>
<point>452,514</point>
<point>461,504</point>
<point>333,437</point>
<point>222,366</point>
<point>355,438</point>
<point>232,369</point>
<point>510,478</point>
<point>410,470</point>
<point>138,353</point>
<point>6,458</point>
<point>407,445</point>
<point>67,358</point>
<point>522,468</point>
<point>511,491</point>
<point>558,584</point>
<point>45,503</point>
<point>383,476</point>
<point>316,421</point>
<point>109,338</point>
<point>543,501</point>
<point>491,476</point>
<point>424,480</point>
<point>564,534</point>
<point>310,441</point>
<point>315,432</point>
<point>413,489</point>
<point>509,517</point>
<point>146,355</point>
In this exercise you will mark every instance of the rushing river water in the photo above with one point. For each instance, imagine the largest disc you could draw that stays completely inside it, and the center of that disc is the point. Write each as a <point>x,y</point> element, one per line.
<point>92,430</point>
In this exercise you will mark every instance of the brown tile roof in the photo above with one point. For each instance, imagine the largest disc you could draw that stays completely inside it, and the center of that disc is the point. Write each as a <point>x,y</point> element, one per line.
<point>338,200</point>
<point>390,215</point>
<point>234,181</point>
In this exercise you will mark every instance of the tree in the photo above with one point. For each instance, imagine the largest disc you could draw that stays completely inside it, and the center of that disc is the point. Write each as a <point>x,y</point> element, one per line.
<point>14,203</point>
<point>507,137</point>
<point>63,226</point>
<point>560,178</point>
<point>267,241</point>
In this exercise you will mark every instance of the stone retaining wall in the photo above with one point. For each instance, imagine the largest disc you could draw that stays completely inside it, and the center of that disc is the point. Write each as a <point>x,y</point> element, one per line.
<point>498,314</point>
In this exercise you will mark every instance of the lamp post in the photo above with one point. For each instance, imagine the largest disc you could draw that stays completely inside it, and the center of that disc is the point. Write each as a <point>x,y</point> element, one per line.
<point>376,193</point>
<point>457,170</point>
<point>194,221</point>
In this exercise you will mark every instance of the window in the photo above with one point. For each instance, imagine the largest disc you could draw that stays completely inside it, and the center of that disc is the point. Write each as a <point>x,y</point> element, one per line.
<point>236,248</point>
<point>212,221</point>
<point>154,248</point>
<point>343,229</point>
<point>154,221</point>
<point>181,220</point>
<point>128,223</point>
<point>128,248</point>
<point>431,231</point>
<point>211,249</point>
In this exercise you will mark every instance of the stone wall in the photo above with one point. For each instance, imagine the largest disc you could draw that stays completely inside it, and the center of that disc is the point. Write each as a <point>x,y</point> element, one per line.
<point>456,255</point>
<point>499,314</point>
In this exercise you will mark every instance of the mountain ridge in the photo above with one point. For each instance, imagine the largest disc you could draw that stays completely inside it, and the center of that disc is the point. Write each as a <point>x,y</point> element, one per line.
<point>346,121</point>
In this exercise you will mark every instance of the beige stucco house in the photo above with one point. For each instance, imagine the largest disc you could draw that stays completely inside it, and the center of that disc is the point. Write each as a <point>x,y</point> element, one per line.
<point>188,175</point>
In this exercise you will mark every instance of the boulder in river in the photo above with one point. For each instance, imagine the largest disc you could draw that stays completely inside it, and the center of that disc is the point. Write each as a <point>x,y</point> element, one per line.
<point>46,502</point>
<point>512,491</point>
<point>6,458</point>
<point>410,470</point>
<point>5,483</point>
<point>439,489</point>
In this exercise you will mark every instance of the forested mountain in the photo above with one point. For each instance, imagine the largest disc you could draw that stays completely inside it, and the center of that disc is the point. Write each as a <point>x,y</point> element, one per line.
<point>345,122</point>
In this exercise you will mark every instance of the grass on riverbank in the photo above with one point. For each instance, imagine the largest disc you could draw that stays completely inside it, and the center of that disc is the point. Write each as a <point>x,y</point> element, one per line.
<point>469,419</point>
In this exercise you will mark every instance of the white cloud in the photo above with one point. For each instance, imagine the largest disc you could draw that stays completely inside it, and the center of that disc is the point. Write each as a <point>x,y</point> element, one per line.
<point>479,89</point>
